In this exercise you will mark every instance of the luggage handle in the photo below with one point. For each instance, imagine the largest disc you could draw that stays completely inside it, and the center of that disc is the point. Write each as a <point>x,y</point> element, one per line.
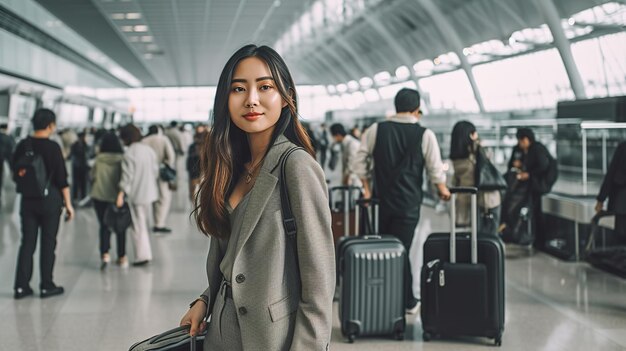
<point>474,232</point>
<point>363,203</point>
<point>348,191</point>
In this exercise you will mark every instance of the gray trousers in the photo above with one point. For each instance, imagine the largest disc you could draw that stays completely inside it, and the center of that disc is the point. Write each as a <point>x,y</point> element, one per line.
<point>223,332</point>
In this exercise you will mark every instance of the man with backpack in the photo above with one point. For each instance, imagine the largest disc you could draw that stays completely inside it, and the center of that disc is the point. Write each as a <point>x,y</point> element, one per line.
<point>41,178</point>
<point>540,170</point>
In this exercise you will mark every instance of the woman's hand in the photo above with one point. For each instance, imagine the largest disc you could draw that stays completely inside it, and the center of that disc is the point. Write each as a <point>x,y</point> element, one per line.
<point>195,318</point>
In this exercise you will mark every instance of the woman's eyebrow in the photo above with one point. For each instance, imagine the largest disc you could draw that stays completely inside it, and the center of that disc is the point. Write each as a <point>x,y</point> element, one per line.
<point>241,80</point>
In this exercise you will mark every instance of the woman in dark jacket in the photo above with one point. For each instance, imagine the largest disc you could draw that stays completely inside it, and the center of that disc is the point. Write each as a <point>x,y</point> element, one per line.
<point>614,187</point>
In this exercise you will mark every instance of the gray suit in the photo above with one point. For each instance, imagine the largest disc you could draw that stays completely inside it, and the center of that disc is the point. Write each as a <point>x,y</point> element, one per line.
<point>278,307</point>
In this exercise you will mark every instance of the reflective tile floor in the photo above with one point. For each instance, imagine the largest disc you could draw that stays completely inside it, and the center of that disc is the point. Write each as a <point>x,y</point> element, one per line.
<point>550,304</point>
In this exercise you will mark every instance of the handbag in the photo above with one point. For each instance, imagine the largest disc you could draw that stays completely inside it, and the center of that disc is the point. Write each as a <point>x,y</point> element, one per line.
<point>487,175</point>
<point>167,173</point>
<point>117,219</point>
<point>177,339</point>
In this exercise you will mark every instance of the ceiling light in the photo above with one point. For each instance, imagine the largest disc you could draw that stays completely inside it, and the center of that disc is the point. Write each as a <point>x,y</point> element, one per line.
<point>382,78</point>
<point>133,39</point>
<point>353,85</point>
<point>437,61</point>
<point>366,82</point>
<point>117,16</point>
<point>342,88</point>
<point>571,21</point>
<point>146,38</point>
<point>403,72</point>
<point>127,28</point>
<point>468,51</point>
<point>140,28</point>
<point>148,56</point>
<point>133,15</point>
<point>152,47</point>
<point>331,89</point>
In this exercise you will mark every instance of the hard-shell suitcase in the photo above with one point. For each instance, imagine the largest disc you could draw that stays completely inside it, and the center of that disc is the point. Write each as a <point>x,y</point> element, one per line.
<point>462,282</point>
<point>371,279</point>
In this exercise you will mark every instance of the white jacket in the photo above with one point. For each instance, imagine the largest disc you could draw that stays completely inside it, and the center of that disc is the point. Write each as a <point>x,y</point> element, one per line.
<point>140,173</point>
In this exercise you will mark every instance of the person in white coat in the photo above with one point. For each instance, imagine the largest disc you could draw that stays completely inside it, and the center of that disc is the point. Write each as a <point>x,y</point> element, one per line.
<point>164,151</point>
<point>140,172</point>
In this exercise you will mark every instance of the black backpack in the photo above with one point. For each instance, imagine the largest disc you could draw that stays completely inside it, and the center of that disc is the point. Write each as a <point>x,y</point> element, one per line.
<point>30,174</point>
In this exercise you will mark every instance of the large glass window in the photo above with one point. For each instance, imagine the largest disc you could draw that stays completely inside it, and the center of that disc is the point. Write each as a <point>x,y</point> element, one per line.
<point>602,65</point>
<point>536,80</point>
<point>449,91</point>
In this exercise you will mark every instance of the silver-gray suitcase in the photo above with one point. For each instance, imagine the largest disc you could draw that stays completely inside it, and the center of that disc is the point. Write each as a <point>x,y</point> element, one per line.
<point>371,278</point>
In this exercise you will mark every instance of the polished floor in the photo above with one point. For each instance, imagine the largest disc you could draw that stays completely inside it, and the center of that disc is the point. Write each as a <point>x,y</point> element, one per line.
<point>550,304</point>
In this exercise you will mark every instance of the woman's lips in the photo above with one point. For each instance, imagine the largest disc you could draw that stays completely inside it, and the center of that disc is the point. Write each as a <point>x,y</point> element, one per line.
<point>252,116</point>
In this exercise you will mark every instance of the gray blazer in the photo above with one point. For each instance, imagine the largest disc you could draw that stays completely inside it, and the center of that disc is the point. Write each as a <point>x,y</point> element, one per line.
<point>279,307</point>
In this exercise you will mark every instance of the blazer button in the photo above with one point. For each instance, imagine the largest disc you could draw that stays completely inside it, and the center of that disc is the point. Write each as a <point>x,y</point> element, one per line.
<point>240,278</point>
<point>242,311</point>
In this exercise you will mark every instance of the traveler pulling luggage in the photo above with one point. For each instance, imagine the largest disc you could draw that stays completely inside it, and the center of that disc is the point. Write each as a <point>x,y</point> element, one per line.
<point>462,281</point>
<point>371,271</point>
<point>517,212</point>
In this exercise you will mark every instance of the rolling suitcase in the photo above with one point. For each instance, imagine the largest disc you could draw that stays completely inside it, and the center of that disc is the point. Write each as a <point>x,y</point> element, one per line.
<point>343,211</point>
<point>462,282</point>
<point>371,272</point>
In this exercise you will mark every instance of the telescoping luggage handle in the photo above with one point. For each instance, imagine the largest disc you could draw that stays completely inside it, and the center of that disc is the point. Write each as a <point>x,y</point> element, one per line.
<point>474,232</point>
<point>363,203</point>
<point>347,201</point>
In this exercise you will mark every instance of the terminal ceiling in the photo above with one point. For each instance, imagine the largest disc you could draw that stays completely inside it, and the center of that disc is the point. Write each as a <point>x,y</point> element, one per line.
<point>187,42</point>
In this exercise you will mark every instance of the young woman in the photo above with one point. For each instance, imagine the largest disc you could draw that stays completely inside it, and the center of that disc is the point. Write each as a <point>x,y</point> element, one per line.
<point>463,150</point>
<point>140,173</point>
<point>263,294</point>
<point>106,174</point>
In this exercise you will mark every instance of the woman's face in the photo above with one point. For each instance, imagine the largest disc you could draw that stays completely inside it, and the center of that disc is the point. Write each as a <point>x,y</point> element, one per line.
<point>474,135</point>
<point>254,102</point>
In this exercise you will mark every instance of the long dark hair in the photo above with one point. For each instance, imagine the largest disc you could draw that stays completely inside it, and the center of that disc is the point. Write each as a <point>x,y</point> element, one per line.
<point>461,142</point>
<point>111,143</point>
<point>226,147</point>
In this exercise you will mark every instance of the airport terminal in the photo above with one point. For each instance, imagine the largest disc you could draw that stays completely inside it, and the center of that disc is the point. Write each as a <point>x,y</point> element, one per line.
<point>312,175</point>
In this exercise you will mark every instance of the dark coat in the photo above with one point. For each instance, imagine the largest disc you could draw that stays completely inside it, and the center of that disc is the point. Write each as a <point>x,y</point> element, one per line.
<point>614,184</point>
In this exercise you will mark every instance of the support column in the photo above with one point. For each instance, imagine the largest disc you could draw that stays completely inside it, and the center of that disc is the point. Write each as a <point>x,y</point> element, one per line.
<point>449,33</point>
<point>553,20</point>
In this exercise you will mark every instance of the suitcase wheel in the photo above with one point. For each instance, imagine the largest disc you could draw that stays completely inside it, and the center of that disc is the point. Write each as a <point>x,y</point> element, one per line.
<point>399,336</point>
<point>498,341</point>
<point>351,338</point>
<point>426,336</point>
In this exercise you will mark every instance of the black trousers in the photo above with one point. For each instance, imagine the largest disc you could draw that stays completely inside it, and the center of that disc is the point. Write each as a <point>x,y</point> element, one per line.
<point>105,233</point>
<point>620,228</point>
<point>537,222</point>
<point>37,215</point>
<point>402,228</point>
<point>79,182</point>
<point>1,178</point>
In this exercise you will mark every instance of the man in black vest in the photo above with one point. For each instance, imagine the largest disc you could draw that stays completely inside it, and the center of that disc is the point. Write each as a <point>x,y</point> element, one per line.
<point>395,153</point>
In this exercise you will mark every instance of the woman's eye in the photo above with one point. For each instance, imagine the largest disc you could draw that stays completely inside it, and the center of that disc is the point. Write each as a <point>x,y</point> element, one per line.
<point>266,87</point>
<point>238,89</point>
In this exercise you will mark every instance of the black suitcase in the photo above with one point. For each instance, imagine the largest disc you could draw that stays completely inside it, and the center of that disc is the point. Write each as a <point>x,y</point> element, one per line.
<point>462,282</point>
<point>371,279</point>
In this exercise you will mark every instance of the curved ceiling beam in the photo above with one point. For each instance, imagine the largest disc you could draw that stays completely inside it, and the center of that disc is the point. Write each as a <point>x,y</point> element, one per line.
<point>450,34</point>
<point>553,20</point>
<point>366,69</point>
<point>399,51</point>
<point>326,67</point>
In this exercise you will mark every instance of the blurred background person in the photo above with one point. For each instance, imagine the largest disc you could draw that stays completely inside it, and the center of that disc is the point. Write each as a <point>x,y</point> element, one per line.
<point>7,144</point>
<point>140,172</point>
<point>79,155</point>
<point>193,163</point>
<point>614,187</point>
<point>106,175</point>
<point>349,148</point>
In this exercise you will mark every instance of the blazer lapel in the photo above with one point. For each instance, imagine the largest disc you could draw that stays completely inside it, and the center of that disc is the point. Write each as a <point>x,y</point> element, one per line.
<point>261,192</point>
